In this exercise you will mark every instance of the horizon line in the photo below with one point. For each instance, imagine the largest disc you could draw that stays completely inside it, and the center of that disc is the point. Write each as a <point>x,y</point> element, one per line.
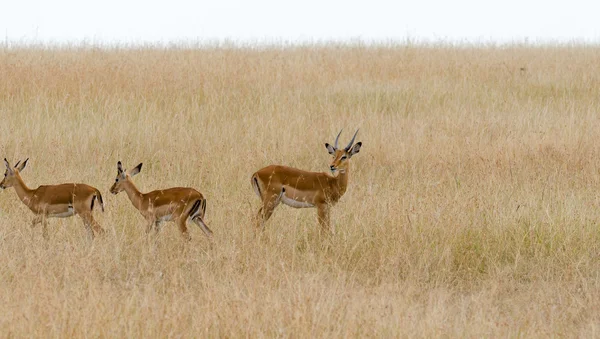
<point>266,43</point>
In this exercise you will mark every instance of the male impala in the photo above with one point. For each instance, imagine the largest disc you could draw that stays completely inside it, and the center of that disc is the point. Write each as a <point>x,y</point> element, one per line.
<point>58,201</point>
<point>174,204</point>
<point>301,189</point>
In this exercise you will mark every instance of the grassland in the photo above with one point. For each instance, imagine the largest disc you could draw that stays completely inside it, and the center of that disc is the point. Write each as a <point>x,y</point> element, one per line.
<point>472,209</point>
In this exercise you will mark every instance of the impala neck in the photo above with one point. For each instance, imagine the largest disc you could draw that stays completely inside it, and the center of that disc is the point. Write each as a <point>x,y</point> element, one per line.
<point>134,194</point>
<point>22,190</point>
<point>342,181</point>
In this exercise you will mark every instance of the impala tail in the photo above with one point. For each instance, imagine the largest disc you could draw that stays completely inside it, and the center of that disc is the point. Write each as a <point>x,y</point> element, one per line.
<point>256,185</point>
<point>197,215</point>
<point>99,197</point>
<point>203,206</point>
<point>199,206</point>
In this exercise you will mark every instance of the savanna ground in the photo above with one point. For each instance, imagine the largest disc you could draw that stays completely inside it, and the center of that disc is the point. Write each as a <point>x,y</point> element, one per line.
<point>472,208</point>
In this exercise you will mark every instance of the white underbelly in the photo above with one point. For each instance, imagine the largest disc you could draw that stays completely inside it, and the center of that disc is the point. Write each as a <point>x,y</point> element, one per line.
<point>167,217</point>
<point>70,212</point>
<point>295,203</point>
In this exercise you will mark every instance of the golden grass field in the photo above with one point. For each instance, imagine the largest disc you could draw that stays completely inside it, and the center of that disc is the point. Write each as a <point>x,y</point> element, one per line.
<point>472,209</point>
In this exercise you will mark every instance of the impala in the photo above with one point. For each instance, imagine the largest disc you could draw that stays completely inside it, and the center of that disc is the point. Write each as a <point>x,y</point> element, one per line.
<point>54,201</point>
<point>174,204</point>
<point>301,189</point>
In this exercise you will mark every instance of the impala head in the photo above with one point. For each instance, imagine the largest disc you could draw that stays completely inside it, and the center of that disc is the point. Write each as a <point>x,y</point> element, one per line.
<point>342,155</point>
<point>12,173</point>
<point>123,176</point>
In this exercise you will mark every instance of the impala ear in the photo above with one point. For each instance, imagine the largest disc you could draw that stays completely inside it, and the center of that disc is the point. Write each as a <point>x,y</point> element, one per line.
<point>10,170</point>
<point>330,148</point>
<point>135,170</point>
<point>355,149</point>
<point>119,168</point>
<point>22,166</point>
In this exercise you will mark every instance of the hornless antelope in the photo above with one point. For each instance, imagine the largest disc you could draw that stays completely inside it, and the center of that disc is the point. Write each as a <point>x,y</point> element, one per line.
<point>174,204</point>
<point>55,201</point>
<point>301,189</point>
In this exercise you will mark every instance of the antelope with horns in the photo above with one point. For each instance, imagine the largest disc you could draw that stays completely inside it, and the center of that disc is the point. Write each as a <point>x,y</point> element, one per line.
<point>54,201</point>
<point>174,204</point>
<point>301,189</point>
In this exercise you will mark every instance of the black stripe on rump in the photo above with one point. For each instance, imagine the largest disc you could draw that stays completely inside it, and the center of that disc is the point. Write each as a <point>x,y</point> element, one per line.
<point>195,208</point>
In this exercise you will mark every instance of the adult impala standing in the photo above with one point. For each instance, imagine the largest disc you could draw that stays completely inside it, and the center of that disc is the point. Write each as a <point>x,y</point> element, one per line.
<point>54,201</point>
<point>301,189</point>
<point>174,204</point>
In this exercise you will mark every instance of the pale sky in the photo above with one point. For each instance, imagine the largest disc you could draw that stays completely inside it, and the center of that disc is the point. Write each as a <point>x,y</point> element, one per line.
<point>148,21</point>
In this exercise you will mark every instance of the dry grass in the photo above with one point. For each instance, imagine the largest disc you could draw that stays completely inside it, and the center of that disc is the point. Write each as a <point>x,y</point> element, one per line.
<point>471,210</point>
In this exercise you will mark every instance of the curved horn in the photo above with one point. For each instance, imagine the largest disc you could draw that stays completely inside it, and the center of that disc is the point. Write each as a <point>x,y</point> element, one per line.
<point>17,164</point>
<point>351,142</point>
<point>337,138</point>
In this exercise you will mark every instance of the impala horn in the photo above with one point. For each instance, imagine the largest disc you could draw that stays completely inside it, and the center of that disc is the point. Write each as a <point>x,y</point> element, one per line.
<point>337,138</point>
<point>351,142</point>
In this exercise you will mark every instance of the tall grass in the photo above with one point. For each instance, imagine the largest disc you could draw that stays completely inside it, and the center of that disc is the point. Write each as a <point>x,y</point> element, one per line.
<point>472,208</point>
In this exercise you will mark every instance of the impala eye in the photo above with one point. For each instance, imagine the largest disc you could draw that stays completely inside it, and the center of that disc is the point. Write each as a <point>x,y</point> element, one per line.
<point>344,157</point>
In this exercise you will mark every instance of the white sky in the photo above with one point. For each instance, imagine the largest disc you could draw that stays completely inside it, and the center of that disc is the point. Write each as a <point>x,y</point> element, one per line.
<point>148,21</point>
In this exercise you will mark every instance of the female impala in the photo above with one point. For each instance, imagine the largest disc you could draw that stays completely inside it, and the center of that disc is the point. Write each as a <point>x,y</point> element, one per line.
<point>301,189</point>
<point>177,204</point>
<point>58,201</point>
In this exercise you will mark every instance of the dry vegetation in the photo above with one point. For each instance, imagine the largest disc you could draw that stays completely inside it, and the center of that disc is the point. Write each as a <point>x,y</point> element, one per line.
<point>472,209</point>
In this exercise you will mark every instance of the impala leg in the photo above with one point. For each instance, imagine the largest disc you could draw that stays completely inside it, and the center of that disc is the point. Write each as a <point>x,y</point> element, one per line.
<point>157,226</point>
<point>95,225</point>
<point>91,225</point>
<point>198,221</point>
<point>36,220</point>
<point>260,223</point>
<point>181,222</point>
<point>45,227</point>
<point>266,211</point>
<point>324,220</point>
<point>88,225</point>
<point>150,222</point>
